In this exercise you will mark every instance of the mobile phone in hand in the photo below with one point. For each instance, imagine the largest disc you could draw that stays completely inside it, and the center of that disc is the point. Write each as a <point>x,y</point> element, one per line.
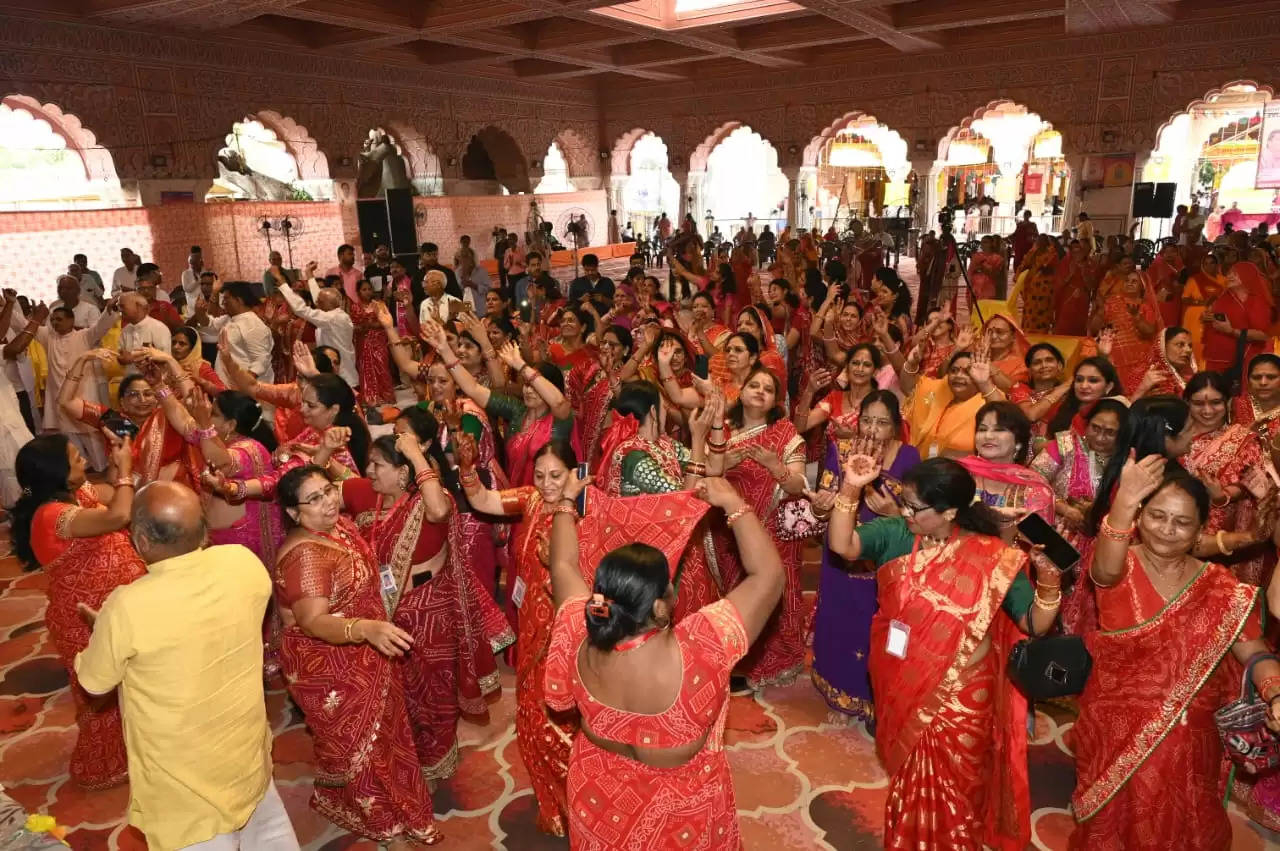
<point>581,501</point>
<point>1058,550</point>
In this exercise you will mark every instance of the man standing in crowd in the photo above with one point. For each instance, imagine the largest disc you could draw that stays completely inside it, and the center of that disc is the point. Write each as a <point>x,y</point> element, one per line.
<point>125,278</point>
<point>248,336</point>
<point>69,296</point>
<point>429,260</point>
<point>276,262</point>
<point>533,272</point>
<point>438,304</point>
<point>191,277</point>
<point>140,328</point>
<point>591,282</point>
<point>378,272</point>
<point>98,288</point>
<point>332,322</point>
<point>474,280</point>
<point>347,271</point>
<point>184,646</point>
<point>158,304</point>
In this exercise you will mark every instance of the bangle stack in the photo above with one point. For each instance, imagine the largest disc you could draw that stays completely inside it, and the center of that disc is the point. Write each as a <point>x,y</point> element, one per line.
<point>717,448</point>
<point>1272,682</point>
<point>781,478</point>
<point>234,492</point>
<point>162,392</point>
<point>565,509</point>
<point>468,478</point>
<point>198,434</point>
<point>449,365</point>
<point>124,482</point>
<point>1226,500</point>
<point>1111,533</point>
<point>733,518</point>
<point>695,468</point>
<point>427,475</point>
<point>1051,603</point>
<point>906,367</point>
<point>346,631</point>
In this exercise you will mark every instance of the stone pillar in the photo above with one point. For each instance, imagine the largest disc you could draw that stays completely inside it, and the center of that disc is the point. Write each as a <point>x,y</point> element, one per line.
<point>804,195</point>
<point>617,196</point>
<point>929,200</point>
<point>691,198</point>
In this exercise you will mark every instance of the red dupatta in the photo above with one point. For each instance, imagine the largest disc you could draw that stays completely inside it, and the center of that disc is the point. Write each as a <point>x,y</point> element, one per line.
<point>1172,380</point>
<point>665,521</point>
<point>1150,659</point>
<point>972,577</point>
<point>1039,494</point>
<point>524,444</point>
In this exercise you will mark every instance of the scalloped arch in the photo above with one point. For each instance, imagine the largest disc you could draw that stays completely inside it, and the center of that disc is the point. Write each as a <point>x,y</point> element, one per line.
<point>698,159</point>
<point>312,162</point>
<point>813,150</point>
<point>1207,98</point>
<point>98,163</point>
<point>620,156</point>
<point>419,154</point>
<point>999,105</point>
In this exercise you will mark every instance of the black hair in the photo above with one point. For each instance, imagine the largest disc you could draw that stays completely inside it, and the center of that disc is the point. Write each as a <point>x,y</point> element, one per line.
<point>1044,347</point>
<point>1175,475</point>
<point>584,317</point>
<point>242,290</point>
<point>426,428</point>
<point>705,296</point>
<point>590,260</point>
<point>877,357</point>
<point>1201,380</point>
<point>332,390</point>
<point>728,284</point>
<point>637,399</point>
<point>887,398</point>
<point>532,255</point>
<point>735,413</point>
<point>427,248</point>
<point>1071,405</point>
<point>127,382</point>
<point>246,413</point>
<point>42,469</point>
<point>944,484</point>
<point>66,311</point>
<point>385,445</point>
<point>289,485</point>
<point>624,337</point>
<point>345,247</point>
<point>504,324</point>
<point>1152,421</point>
<point>1009,416</point>
<point>1115,406</point>
<point>835,271</point>
<point>146,270</point>
<point>561,449</point>
<point>1173,331</point>
<point>1265,357</point>
<point>901,295</point>
<point>631,578</point>
<point>187,333</point>
<point>324,365</point>
<point>751,343</point>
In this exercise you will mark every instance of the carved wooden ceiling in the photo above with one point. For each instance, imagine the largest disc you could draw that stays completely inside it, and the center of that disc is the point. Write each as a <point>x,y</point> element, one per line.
<point>599,42</point>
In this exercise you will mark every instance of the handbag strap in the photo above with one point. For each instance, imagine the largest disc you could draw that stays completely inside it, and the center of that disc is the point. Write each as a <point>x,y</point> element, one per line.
<point>1247,690</point>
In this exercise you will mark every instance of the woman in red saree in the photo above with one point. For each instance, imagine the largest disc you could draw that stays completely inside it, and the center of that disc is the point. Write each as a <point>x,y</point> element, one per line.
<point>1244,308</point>
<point>671,369</point>
<point>1002,446</point>
<point>83,547</point>
<point>954,598</point>
<point>752,320</point>
<point>1164,276</point>
<point>591,389</point>
<point>1173,630</point>
<point>1042,393</point>
<point>1039,269</point>
<point>763,457</point>
<point>543,736</point>
<point>1259,406</point>
<point>1201,290</point>
<point>1225,456</point>
<point>338,653</point>
<point>376,386</point>
<point>571,351</point>
<point>985,267</point>
<point>1125,304</point>
<point>1168,367</point>
<point>1073,284</point>
<point>648,769</point>
<point>706,335</point>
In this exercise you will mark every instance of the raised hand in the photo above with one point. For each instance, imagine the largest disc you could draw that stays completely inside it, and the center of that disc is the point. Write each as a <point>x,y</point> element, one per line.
<point>407,442</point>
<point>335,437</point>
<point>39,313</point>
<point>383,315</point>
<point>510,354</point>
<point>303,360</point>
<point>121,451</point>
<point>465,450</point>
<point>1140,479</point>
<point>433,333</point>
<point>200,407</point>
<point>860,470</point>
<point>574,485</point>
<point>310,271</point>
<point>1106,340</point>
<point>665,352</point>
<point>964,339</point>
<point>980,367</point>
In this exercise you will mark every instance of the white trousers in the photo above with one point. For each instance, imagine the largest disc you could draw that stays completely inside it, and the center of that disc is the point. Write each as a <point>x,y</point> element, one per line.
<point>268,829</point>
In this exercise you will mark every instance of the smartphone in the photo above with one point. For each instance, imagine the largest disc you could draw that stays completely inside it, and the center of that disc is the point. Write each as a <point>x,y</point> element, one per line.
<point>1221,317</point>
<point>118,425</point>
<point>582,497</point>
<point>1059,551</point>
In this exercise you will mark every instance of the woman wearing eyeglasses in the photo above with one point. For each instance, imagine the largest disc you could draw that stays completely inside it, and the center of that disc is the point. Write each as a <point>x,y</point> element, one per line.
<point>954,598</point>
<point>338,652</point>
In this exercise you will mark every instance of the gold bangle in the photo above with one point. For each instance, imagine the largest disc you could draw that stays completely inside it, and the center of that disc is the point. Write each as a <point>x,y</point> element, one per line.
<point>1221,545</point>
<point>346,632</point>
<point>1106,530</point>
<point>849,505</point>
<point>733,518</point>
<point>1048,604</point>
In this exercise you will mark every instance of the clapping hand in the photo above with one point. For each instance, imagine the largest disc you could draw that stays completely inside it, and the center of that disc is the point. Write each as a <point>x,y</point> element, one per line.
<point>433,333</point>
<point>335,437</point>
<point>303,360</point>
<point>1106,341</point>
<point>980,367</point>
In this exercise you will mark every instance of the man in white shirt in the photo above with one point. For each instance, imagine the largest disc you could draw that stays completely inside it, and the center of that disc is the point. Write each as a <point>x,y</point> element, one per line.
<point>126,277</point>
<point>191,277</point>
<point>89,289</point>
<point>190,311</point>
<point>139,329</point>
<point>97,285</point>
<point>69,293</point>
<point>438,304</point>
<point>333,324</point>
<point>249,337</point>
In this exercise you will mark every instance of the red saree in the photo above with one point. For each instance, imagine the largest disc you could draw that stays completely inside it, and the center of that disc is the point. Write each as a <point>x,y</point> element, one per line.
<point>984,268</point>
<point>1160,670</point>
<point>84,570</point>
<point>368,775</point>
<point>1073,283</point>
<point>1129,351</point>
<point>1227,453</point>
<point>159,452</point>
<point>951,732</point>
<point>621,804</point>
<point>590,390</point>
<point>777,656</point>
<point>522,445</point>
<point>543,736</point>
<point>373,358</point>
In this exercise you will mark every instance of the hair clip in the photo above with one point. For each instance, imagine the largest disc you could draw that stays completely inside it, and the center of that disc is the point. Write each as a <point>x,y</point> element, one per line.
<point>598,606</point>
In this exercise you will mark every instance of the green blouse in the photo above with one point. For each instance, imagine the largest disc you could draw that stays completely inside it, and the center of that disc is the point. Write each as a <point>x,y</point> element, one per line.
<point>512,410</point>
<point>887,538</point>
<point>642,474</point>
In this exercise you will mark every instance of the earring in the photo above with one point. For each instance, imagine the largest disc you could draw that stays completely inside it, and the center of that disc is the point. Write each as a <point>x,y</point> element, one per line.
<point>404,480</point>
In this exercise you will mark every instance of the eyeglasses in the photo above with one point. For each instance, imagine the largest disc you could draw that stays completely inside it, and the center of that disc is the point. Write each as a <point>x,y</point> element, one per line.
<point>328,491</point>
<point>909,510</point>
<point>140,394</point>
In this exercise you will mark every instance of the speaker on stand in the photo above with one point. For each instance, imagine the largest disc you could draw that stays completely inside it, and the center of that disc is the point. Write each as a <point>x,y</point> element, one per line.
<point>1154,201</point>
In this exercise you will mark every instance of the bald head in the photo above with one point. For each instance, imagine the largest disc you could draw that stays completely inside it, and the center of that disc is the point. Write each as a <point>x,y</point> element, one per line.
<point>168,521</point>
<point>328,299</point>
<point>133,306</point>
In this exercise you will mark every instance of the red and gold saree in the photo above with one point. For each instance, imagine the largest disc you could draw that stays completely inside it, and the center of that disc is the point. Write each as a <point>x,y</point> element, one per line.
<point>1149,763</point>
<point>951,732</point>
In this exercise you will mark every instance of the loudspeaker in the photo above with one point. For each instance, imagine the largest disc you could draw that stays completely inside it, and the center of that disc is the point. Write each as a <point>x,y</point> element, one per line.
<point>404,234</point>
<point>1163,203</point>
<point>375,229</point>
<point>1144,200</point>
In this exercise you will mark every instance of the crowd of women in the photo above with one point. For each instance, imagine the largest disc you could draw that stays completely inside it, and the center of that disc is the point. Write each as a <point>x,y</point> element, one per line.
<point>616,495</point>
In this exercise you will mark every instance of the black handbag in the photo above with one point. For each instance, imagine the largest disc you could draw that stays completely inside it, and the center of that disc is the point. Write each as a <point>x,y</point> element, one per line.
<point>1049,667</point>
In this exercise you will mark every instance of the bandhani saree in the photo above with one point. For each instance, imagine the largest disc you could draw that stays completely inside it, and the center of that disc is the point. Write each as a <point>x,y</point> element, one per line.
<point>1039,269</point>
<point>84,570</point>
<point>620,804</point>
<point>951,732</point>
<point>368,778</point>
<point>1228,453</point>
<point>1149,763</point>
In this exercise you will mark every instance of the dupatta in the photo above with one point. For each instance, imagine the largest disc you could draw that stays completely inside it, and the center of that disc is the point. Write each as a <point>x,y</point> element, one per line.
<point>1039,494</point>
<point>1172,381</point>
<point>665,521</point>
<point>1013,364</point>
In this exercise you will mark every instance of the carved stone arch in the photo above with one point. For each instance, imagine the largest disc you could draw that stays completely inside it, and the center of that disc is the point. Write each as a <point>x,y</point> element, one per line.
<point>698,159</point>
<point>813,151</point>
<point>620,156</point>
<point>418,152</point>
<point>579,154</point>
<point>996,106</point>
<point>1207,98</point>
<point>312,162</point>
<point>510,163</point>
<point>98,163</point>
